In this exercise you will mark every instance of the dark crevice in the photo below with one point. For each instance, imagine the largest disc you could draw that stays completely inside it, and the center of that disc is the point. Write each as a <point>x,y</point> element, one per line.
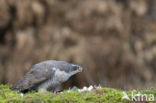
<point>9,27</point>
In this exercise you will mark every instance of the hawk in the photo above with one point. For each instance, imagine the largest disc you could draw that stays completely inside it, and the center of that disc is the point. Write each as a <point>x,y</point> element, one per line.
<point>47,76</point>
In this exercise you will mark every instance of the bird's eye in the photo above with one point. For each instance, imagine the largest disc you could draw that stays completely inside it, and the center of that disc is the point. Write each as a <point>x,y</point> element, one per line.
<point>74,67</point>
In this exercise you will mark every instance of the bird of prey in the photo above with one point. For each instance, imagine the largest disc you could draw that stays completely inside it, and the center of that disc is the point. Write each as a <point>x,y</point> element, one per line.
<point>46,76</point>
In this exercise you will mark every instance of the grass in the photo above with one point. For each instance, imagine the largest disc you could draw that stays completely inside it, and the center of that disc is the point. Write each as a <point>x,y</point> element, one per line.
<point>103,95</point>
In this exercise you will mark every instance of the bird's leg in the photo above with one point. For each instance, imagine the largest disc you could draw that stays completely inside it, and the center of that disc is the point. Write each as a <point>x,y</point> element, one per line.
<point>57,89</point>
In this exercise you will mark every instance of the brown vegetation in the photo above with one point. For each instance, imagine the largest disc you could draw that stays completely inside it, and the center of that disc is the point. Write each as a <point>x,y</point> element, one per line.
<point>113,39</point>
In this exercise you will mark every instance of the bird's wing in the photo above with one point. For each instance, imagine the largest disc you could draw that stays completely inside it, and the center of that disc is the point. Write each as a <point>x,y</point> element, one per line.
<point>37,75</point>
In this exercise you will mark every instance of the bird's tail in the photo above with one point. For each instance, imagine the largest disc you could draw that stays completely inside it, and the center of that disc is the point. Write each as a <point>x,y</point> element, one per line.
<point>18,86</point>
<point>15,86</point>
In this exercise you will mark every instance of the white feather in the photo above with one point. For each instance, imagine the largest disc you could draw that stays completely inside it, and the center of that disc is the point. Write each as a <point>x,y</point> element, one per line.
<point>58,78</point>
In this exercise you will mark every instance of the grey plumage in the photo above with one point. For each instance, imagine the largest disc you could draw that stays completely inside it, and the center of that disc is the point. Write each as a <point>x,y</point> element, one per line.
<point>46,75</point>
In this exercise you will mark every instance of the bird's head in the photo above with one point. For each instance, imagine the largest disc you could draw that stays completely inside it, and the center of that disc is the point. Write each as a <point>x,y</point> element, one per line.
<point>76,68</point>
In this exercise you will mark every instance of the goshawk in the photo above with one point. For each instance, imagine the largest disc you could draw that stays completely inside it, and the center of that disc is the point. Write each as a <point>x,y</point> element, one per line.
<point>46,76</point>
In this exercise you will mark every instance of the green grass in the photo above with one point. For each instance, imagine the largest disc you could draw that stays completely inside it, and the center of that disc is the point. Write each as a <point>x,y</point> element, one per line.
<point>104,95</point>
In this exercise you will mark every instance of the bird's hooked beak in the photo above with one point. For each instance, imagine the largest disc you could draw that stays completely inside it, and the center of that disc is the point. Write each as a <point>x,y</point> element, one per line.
<point>80,68</point>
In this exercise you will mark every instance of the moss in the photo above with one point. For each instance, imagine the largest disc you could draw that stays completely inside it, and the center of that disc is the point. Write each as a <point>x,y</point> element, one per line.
<point>104,95</point>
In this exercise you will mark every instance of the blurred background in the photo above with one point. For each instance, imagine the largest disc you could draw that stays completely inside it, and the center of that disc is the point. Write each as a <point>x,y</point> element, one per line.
<point>115,40</point>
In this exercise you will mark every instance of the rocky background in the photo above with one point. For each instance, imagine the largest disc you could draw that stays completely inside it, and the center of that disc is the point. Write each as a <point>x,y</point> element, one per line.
<point>115,40</point>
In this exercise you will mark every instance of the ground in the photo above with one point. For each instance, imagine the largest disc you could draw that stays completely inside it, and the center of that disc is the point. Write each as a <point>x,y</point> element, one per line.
<point>116,39</point>
<point>98,95</point>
